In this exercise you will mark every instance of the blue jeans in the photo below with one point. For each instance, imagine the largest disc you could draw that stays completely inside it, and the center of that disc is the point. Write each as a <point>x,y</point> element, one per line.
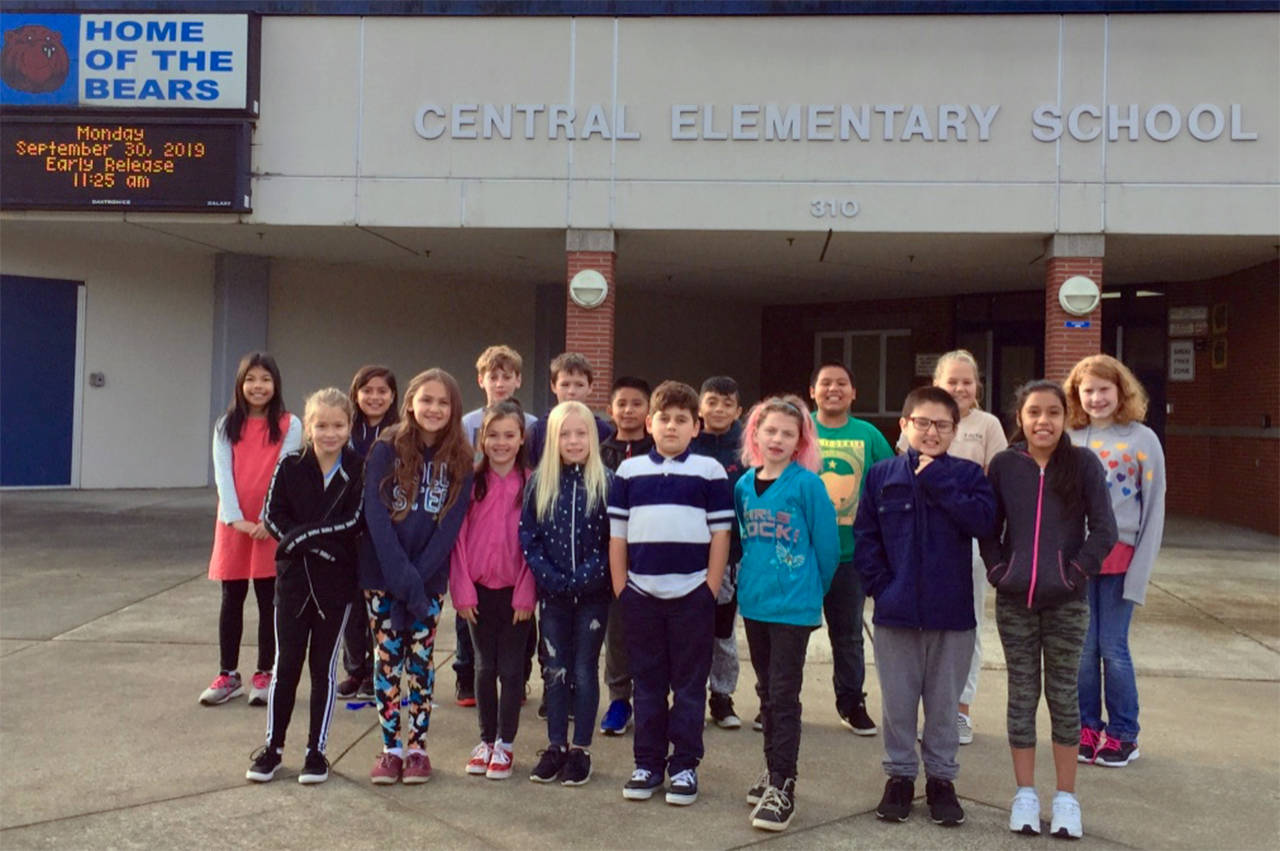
<point>843,607</point>
<point>572,634</point>
<point>1105,664</point>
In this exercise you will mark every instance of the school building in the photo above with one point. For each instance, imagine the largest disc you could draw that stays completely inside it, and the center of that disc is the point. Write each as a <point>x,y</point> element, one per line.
<point>673,193</point>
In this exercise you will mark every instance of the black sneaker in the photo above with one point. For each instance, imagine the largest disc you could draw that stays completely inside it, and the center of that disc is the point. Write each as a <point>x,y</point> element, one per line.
<point>365,692</point>
<point>756,792</point>
<point>466,692</point>
<point>684,788</point>
<point>642,785</point>
<point>577,768</point>
<point>944,807</point>
<point>315,769</point>
<point>550,763</point>
<point>722,713</point>
<point>266,762</point>
<point>757,723</point>
<point>895,804</point>
<point>857,720</point>
<point>1115,753</point>
<point>776,807</point>
<point>348,688</point>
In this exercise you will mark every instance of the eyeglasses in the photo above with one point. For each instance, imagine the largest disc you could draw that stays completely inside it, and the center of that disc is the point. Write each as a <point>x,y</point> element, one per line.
<point>923,423</point>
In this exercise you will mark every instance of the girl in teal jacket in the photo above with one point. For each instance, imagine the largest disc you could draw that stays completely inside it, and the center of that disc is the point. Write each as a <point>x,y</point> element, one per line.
<point>790,549</point>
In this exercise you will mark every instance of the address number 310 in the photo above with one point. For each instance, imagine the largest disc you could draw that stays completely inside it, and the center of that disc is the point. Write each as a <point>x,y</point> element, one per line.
<point>830,208</point>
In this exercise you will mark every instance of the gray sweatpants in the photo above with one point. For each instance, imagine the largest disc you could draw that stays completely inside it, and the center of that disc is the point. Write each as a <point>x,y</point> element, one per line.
<point>724,652</point>
<point>914,664</point>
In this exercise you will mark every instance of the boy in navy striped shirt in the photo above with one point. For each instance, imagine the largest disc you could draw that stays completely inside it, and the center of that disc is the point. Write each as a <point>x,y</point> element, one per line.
<point>670,513</point>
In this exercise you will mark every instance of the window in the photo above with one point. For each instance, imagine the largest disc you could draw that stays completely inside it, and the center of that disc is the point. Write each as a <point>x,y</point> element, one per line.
<point>882,364</point>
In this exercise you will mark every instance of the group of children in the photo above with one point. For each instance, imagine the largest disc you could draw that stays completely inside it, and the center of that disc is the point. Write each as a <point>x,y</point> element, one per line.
<point>645,535</point>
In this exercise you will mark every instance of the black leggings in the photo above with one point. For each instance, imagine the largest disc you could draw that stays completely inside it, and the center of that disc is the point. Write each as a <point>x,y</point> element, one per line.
<point>500,656</point>
<point>231,621</point>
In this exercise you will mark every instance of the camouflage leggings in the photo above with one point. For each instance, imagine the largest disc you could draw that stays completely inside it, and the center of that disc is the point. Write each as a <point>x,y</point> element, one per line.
<point>402,656</point>
<point>1057,633</point>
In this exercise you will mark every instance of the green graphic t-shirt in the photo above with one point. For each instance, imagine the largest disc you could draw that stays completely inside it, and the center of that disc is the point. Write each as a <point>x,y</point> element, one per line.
<point>847,453</point>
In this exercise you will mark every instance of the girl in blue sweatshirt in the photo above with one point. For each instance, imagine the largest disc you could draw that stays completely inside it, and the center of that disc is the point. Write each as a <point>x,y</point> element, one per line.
<point>790,549</point>
<point>564,533</point>
<point>416,478</point>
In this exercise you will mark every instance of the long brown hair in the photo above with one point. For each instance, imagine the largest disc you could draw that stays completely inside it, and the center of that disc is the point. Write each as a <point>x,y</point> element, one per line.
<point>363,376</point>
<point>238,410</point>
<point>453,453</point>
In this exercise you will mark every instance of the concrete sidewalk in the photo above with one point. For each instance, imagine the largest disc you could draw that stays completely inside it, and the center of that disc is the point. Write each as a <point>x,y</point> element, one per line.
<point>108,633</point>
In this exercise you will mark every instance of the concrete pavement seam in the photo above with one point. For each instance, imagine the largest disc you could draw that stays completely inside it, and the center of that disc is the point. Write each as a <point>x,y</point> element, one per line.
<point>1214,618</point>
<point>125,606</point>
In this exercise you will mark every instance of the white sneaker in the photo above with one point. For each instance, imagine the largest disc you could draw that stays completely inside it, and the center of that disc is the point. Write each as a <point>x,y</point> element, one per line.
<point>1066,817</point>
<point>965,728</point>
<point>1024,813</point>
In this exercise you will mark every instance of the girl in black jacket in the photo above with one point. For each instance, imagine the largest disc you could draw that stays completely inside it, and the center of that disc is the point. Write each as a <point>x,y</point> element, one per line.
<point>1053,528</point>
<point>313,508</point>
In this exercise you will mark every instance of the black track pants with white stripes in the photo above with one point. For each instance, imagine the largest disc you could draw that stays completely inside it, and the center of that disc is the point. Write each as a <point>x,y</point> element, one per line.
<point>294,631</point>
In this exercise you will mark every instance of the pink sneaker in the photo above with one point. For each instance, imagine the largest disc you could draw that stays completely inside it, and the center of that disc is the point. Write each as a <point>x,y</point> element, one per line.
<point>500,764</point>
<point>1090,744</point>
<point>386,770</point>
<point>261,687</point>
<point>480,756</point>
<point>223,688</point>
<point>417,768</point>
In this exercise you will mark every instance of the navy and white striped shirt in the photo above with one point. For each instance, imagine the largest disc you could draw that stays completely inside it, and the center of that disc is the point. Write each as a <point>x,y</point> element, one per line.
<point>667,510</point>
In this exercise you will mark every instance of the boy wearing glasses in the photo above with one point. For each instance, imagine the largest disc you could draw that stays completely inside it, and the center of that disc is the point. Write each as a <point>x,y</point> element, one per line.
<point>918,513</point>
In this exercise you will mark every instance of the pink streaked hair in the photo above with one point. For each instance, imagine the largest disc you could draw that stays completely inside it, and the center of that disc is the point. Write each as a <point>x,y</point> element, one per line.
<point>807,454</point>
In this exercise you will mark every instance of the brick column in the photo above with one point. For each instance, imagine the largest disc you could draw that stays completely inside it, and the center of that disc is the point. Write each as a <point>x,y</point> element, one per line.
<point>590,331</point>
<point>1070,255</point>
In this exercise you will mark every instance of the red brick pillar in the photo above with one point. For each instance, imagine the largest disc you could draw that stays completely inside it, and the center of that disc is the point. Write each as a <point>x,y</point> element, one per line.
<point>589,331</point>
<point>1065,340</point>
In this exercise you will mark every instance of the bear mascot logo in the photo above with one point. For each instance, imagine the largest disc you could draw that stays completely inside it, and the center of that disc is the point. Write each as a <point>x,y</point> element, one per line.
<point>33,59</point>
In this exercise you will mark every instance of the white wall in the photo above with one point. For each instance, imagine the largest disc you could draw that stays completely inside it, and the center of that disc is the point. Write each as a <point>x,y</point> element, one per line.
<point>663,336</point>
<point>148,319</point>
<point>328,320</point>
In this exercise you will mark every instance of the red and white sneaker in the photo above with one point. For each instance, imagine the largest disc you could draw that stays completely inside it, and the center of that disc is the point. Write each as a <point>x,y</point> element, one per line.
<point>480,756</point>
<point>499,762</point>
<point>1090,744</point>
<point>261,688</point>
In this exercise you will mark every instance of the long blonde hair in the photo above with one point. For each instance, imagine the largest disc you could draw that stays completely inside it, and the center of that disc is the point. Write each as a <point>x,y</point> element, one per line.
<point>547,476</point>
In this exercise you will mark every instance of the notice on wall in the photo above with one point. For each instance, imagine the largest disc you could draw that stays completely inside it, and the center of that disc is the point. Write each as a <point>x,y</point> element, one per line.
<point>926,363</point>
<point>1182,360</point>
<point>129,61</point>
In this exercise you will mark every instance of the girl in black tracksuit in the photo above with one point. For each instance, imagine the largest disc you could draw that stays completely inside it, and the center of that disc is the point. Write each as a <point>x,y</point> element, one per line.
<point>313,510</point>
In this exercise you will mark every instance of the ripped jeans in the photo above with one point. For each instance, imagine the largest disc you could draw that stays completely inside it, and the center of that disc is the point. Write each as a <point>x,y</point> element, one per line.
<point>572,634</point>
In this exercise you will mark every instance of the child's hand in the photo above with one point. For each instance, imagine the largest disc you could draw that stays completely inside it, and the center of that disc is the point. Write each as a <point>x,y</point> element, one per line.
<point>519,615</point>
<point>244,526</point>
<point>467,613</point>
<point>259,532</point>
<point>925,461</point>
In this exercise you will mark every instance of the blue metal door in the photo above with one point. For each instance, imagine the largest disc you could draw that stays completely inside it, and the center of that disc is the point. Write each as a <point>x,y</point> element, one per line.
<point>37,380</point>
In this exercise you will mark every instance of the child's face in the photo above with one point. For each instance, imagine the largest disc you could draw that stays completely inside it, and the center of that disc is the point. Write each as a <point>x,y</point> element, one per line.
<point>328,428</point>
<point>575,441</point>
<point>502,440</point>
<point>958,380</point>
<point>833,391</point>
<point>777,437</point>
<point>718,411</point>
<point>431,409</point>
<point>1042,418</point>
<point>629,409</point>
<point>571,387</point>
<point>1099,398</point>
<point>498,384</point>
<point>259,388</point>
<point>374,399</point>
<point>929,429</point>
<point>672,429</point>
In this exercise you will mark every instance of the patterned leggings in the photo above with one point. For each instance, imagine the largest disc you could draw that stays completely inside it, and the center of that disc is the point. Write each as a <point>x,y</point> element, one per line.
<point>403,654</point>
<point>1056,634</point>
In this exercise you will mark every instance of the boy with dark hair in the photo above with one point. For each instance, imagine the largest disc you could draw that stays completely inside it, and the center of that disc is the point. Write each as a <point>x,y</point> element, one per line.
<point>670,512</point>
<point>719,407</point>
<point>629,406</point>
<point>850,447</point>
<point>919,513</point>
<point>570,382</point>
